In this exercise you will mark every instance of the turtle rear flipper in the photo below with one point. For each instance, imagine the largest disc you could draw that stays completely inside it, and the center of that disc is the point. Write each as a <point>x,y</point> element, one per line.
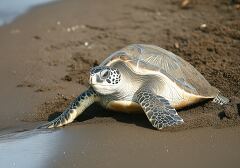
<point>219,99</point>
<point>75,109</point>
<point>158,109</point>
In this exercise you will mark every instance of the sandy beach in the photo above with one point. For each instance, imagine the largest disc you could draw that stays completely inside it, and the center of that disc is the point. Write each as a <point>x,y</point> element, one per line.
<point>46,55</point>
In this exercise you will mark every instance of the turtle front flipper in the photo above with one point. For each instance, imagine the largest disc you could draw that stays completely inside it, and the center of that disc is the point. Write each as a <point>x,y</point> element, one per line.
<point>75,109</point>
<point>158,109</point>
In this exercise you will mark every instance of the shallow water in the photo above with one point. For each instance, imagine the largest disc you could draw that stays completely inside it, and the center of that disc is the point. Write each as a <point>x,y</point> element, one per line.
<point>10,9</point>
<point>26,149</point>
<point>121,145</point>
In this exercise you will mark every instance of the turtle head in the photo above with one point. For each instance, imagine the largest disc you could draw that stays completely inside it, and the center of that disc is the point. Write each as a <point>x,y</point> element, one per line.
<point>105,80</point>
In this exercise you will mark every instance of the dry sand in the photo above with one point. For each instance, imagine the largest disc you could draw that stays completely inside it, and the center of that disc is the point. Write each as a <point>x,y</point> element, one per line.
<point>47,53</point>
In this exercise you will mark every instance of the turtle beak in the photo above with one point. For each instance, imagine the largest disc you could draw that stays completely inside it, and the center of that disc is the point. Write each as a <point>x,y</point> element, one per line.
<point>92,80</point>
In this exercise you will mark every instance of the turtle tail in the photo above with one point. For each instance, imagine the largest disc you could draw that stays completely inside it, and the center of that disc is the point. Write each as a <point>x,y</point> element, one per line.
<point>219,99</point>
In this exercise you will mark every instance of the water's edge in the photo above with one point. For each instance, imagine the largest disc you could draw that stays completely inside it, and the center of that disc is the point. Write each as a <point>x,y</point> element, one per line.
<point>10,10</point>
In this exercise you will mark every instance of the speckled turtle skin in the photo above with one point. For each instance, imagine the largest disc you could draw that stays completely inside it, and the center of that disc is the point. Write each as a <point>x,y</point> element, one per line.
<point>143,78</point>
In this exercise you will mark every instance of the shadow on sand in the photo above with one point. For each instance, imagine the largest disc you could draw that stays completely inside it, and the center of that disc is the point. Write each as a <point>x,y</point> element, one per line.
<point>97,111</point>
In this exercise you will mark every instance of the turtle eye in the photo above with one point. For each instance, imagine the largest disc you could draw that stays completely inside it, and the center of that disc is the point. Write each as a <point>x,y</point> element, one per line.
<point>104,74</point>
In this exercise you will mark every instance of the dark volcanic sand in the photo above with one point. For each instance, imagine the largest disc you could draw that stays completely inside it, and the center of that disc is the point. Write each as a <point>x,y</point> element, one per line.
<point>45,59</point>
<point>121,145</point>
<point>213,50</point>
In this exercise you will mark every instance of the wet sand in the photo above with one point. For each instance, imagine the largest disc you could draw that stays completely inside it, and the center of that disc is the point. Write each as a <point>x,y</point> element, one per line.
<point>45,59</point>
<point>121,145</point>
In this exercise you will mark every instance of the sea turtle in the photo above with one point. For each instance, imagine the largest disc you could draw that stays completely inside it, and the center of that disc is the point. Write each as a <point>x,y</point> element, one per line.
<point>143,78</point>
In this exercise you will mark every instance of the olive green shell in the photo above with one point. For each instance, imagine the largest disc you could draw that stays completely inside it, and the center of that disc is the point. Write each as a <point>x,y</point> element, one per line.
<point>147,59</point>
